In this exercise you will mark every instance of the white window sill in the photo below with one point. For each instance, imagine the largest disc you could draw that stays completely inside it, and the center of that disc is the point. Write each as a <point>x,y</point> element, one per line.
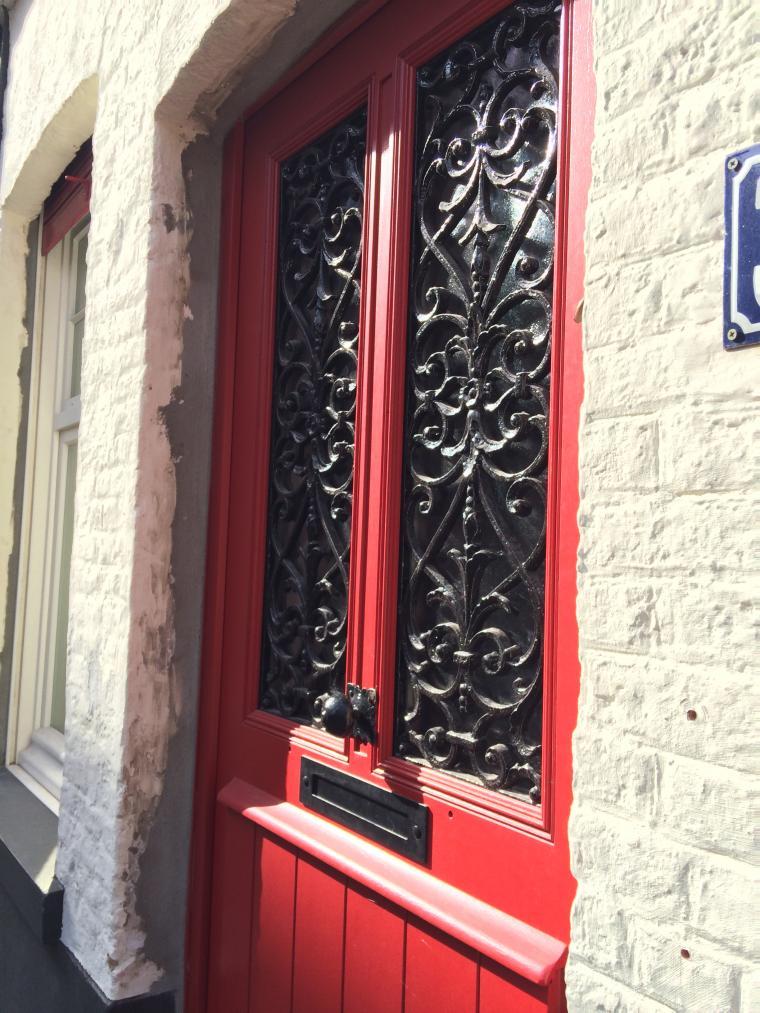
<point>39,767</point>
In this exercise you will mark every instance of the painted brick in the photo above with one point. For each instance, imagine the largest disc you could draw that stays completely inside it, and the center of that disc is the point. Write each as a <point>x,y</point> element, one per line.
<point>620,454</point>
<point>618,774</point>
<point>750,992</point>
<point>711,449</point>
<point>628,614</point>
<point>646,873</point>
<point>661,835</point>
<point>669,534</point>
<point>711,892</point>
<point>693,710</point>
<point>705,980</point>
<point>709,806</point>
<point>711,622</point>
<point>592,992</point>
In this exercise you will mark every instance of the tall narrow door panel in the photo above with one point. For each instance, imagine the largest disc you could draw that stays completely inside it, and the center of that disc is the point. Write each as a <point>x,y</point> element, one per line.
<point>230,915</point>
<point>438,973</point>
<point>373,983</point>
<point>273,918</point>
<point>391,649</point>
<point>319,939</point>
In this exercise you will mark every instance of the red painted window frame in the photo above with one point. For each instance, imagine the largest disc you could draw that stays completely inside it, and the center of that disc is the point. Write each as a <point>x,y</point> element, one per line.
<point>561,552</point>
<point>69,200</point>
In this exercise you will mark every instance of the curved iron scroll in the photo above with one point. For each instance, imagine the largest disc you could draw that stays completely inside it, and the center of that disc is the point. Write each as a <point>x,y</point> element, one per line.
<point>314,402</point>
<point>474,515</point>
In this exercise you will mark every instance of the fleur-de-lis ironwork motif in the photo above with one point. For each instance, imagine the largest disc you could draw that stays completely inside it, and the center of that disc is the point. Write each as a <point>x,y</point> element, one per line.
<point>314,403</point>
<point>474,520</point>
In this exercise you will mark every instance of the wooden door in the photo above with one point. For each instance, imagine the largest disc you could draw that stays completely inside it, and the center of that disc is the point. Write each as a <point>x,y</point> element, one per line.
<point>393,533</point>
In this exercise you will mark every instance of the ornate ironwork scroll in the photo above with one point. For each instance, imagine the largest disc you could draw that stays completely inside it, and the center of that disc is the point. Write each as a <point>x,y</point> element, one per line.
<point>474,515</point>
<point>314,402</point>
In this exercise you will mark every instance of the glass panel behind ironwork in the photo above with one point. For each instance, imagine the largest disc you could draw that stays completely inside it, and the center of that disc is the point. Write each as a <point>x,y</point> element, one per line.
<point>475,472</point>
<point>314,404</point>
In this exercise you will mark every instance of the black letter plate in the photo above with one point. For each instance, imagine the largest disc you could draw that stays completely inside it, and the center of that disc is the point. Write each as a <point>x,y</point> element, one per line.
<point>384,817</point>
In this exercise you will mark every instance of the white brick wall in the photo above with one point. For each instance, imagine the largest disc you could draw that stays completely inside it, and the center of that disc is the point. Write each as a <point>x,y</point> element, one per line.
<point>669,564</point>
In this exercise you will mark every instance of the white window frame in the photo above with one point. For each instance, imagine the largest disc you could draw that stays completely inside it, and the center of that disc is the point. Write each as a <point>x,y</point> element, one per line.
<point>36,750</point>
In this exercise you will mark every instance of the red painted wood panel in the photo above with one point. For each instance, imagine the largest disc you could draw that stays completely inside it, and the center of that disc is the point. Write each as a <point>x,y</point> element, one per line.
<point>319,939</point>
<point>272,931</point>
<point>69,199</point>
<point>440,974</point>
<point>500,991</point>
<point>374,961</point>
<point>231,913</point>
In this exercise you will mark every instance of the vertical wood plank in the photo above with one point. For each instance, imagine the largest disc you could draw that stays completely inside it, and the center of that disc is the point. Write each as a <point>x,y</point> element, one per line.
<point>229,946</point>
<point>374,962</point>
<point>440,974</point>
<point>272,932</point>
<point>501,990</point>
<point>318,939</point>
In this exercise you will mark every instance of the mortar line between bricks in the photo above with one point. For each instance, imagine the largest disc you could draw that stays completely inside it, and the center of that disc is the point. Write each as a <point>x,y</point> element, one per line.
<point>645,258</point>
<point>704,668</point>
<point>732,585</point>
<point>651,823</point>
<point>627,989</point>
<point>655,411</point>
<point>735,964</point>
<point>691,849</point>
<point>611,497</point>
<point>637,570</point>
<point>743,773</point>
<point>647,653</point>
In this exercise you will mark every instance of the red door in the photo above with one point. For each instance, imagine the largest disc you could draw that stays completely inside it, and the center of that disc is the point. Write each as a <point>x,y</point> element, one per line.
<point>391,667</point>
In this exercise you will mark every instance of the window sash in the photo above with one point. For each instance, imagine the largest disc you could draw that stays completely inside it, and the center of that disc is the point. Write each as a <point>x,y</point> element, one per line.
<point>38,696</point>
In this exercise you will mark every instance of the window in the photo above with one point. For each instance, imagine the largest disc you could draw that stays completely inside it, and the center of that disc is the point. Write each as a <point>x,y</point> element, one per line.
<point>38,712</point>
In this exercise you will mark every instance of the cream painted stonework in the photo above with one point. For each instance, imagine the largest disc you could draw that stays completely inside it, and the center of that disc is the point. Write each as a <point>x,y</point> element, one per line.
<point>669,562</point>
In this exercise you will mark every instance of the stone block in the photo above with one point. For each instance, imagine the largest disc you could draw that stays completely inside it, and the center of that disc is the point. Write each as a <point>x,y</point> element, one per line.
<point>675,967</point>
<point>694,710</point>
<point>619,454</point>
<point>707,806</point>
<point>623,613</point>
<point>711,449</point>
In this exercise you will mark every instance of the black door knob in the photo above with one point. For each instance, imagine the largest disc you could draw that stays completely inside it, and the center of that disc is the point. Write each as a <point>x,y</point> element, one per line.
<point>337,714</point>
<point>344,714</point>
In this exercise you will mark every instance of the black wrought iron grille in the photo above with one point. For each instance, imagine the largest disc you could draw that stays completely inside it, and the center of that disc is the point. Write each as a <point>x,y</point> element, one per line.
<point>314,404</point>
<point>474,508</point>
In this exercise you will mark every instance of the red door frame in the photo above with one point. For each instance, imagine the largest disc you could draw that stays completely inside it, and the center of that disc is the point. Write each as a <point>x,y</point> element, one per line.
<point>561,541</point>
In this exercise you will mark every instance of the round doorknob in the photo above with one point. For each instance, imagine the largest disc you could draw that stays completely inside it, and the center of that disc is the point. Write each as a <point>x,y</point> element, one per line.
<point>337,714</point>
<point>351,713</point>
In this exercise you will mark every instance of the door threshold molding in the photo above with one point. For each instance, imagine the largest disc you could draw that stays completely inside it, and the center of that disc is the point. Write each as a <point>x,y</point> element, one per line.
<point>509,942</point>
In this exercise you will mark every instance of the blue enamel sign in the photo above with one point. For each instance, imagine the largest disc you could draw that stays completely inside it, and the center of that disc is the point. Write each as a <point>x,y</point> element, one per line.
<point>741,272</point>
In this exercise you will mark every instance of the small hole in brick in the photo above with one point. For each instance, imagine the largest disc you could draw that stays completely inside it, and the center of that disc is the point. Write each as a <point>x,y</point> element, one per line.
<point>451,815</point>
<point>685,954</point>
<point>691,715</point>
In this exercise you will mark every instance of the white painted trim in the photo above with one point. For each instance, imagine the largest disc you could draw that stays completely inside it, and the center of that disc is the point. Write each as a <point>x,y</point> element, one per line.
<point>35,788</point>
<point>20,689</point>
<point>69,415</point>
<point>43,759</point>
<point>33,745</point>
